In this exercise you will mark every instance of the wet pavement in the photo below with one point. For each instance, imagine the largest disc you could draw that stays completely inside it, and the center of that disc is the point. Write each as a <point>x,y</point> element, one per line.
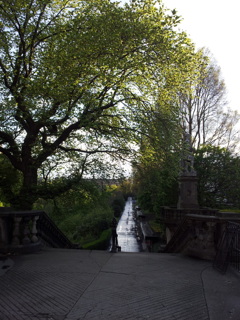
<point>126,230</point>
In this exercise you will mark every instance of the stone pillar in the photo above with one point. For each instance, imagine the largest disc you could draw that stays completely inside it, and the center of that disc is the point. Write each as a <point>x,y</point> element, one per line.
<point>168,234</point>
<point>26,231</point>
<point>188,195</point>
<point>34,237</point>
<point>3,233</point>
<point>16,231</point>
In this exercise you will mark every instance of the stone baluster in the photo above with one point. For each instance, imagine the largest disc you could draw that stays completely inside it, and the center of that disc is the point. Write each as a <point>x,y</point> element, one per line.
<point>16,231</point>
<point>34,229</point>
<point>26,230</point>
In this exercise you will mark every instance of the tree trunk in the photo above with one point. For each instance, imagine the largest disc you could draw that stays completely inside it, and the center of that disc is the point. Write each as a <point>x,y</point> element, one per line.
<point>25,199</point>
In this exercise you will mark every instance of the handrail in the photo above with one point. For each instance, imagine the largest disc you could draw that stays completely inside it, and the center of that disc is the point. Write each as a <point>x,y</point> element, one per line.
<point>198,232</point>
<point>28,231</point>
<point>18,231</point>
<point>51,234</point>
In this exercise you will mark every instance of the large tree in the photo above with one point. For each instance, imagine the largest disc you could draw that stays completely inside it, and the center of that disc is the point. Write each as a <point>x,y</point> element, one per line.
<point>156,169</point>
<point>203,106</point>
<point>75,78</point>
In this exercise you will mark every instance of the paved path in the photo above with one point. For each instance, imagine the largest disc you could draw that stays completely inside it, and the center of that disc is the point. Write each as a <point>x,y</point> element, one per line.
<point>126,230</point>
<point>57,284</point>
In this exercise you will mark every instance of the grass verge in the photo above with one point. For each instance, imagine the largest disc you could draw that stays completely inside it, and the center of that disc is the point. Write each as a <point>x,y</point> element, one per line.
<point>101,243</point>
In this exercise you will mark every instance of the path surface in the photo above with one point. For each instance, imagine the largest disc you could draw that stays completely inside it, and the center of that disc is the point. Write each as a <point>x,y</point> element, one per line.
<point>126,230</point>
<point>58,284</point>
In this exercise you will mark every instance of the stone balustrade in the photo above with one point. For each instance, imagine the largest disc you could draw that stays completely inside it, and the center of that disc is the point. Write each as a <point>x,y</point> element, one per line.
<point>51,235</point>
<point>195,232</point>
<point>18,231</point>
<point>176,215</point>
<point>29,231</point>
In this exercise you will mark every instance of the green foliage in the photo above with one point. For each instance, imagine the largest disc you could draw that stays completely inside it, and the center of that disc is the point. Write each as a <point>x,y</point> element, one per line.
<point>101,243</point>
<point>126,188</point>
<point>117,204</point>
<point>80,196</point>
<point>119,195</point>
<point>84,212</point>
<point>219,175</point>
<point>10,180</point>
<point>79,79</point>
<point>156,226</point>
<point>230,210</point>
<point>156,187</point>
<point>80,227</point>
<point>156,171</point>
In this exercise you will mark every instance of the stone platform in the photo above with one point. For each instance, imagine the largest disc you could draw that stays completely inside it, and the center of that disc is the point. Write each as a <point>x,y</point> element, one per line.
<point>68,284</point>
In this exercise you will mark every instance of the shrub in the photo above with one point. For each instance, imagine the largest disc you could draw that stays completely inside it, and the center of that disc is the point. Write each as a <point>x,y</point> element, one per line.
<point>101,243</point>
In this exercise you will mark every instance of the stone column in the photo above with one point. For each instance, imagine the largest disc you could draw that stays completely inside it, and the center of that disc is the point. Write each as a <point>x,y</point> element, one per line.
<point>188,195</point>
<point>34,229</point>
<point>16,231</point>
<point>26,231</point>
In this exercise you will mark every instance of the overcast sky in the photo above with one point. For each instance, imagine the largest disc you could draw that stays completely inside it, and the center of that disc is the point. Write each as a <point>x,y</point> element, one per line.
<point>215,24</point>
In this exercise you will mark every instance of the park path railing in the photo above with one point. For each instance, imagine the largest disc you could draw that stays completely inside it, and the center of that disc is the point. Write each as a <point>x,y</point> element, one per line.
<point>229,248</point>
<point>28,231</point>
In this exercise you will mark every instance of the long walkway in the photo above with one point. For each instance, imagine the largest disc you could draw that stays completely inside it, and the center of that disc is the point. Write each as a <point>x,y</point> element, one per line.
<point>58,284</point>
<point>126,230</point>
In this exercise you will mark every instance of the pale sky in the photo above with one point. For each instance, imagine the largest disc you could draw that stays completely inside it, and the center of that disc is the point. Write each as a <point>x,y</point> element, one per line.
<point>215,24</point>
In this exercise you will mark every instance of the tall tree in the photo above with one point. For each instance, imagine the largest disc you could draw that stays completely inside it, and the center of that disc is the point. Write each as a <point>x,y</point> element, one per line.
<point>203,106</point>
<point>157,166</point>
<point>75,78</point>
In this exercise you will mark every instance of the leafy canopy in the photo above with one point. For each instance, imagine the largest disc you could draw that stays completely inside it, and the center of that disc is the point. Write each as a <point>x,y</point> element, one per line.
<point>76,79</point>
<point>218,172</point>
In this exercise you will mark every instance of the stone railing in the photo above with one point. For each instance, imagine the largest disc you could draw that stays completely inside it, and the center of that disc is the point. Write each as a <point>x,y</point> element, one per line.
<point>18,231</point>
<point>29,231</point>
<point>51,235</point>
<point>197,234</point>
<point>175,215</point>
